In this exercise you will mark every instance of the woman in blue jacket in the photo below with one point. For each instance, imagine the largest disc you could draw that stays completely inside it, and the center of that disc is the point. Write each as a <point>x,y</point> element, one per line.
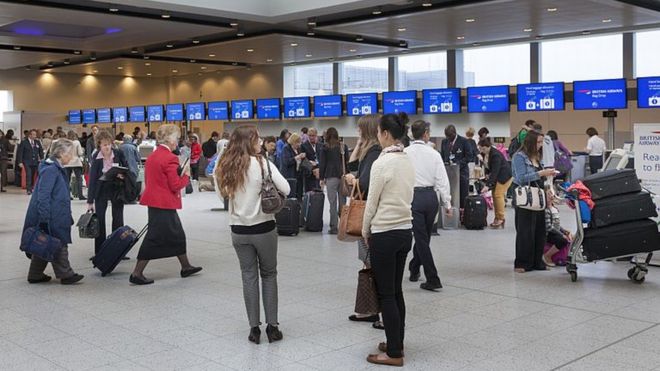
<point>50,210</point>
<point>290,161</point>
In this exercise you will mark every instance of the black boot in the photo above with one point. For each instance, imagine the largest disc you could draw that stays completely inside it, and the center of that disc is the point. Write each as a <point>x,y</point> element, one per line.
<point>255,334</point>
<point>273,333</point>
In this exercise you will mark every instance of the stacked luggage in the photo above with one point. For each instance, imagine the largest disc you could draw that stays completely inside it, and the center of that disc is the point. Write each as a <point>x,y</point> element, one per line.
<point>620,221</point>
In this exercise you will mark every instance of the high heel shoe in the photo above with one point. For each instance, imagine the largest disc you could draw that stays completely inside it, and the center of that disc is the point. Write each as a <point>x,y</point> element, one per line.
<point>255,335</point>
<point>497,224</point>
<point>273,333</point>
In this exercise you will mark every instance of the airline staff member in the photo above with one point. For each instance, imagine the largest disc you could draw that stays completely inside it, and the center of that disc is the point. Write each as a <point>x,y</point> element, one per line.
<point>430,177</point>
<point>456,150</point>
<point>595,148</point>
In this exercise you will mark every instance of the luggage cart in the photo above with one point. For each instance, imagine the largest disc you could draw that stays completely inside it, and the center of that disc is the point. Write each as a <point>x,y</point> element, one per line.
<point>640,261</point>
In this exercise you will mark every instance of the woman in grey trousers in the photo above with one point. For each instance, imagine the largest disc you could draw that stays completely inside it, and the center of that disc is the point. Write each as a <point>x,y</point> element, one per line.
<point>334,161</point>
<point>240,173</point>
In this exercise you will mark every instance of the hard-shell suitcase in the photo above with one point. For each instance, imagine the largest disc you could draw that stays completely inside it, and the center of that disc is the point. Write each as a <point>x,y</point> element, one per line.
<point>622,208</point>
<point>612,182</point>
<point>313,202</point>
<point>622,239</point>
<point>475,212</point>
<point>115,247</point>
<point>288,219</point>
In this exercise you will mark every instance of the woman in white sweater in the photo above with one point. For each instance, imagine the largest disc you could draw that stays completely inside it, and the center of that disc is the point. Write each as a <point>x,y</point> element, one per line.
<point>240,173</point>
<point>387,228</point>
<point>75,166</point>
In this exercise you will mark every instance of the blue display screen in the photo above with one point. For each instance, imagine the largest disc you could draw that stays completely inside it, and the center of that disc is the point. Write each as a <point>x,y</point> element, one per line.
<point>174,112</point>
<point>599,94</point>
<point>88,116</point>
<point>120,114</point>
<point>648,92</point>
<point>441,101</point>
<point>104,115</point>
<point>400,101</point>
<point>296,107</point>
<point>327,106</point>
<point>361,104</point>
<point>488,99</point>
<point>75,117</point>
<point>540,97</point>
<point>196,111</point>
<point>268,109</point>
<point>155,113</point>
<point>136,114</point>
<point>242,109</point>
<point>218,111</point>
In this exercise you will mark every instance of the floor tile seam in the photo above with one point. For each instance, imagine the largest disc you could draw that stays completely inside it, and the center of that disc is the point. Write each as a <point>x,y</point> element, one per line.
<point>606,346</point>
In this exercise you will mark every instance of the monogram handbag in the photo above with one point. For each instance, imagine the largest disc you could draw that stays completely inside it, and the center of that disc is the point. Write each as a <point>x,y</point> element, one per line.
<point>272,200</point>
<point>345,188</point>
<point>88,225</point>
<point>366,298</point>
<point>530,197</point>
<point>36,242</point>
<point>351,217</point>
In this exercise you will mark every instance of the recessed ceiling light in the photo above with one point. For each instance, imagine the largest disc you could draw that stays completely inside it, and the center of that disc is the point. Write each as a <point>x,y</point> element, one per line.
<point>234,63</point>
<point>470,20</point>
<point>120,68</point>
<point>203,67</point>
<point>294,44</point>
<point>211,55</point>
<point>240,33</point>
<point>308,55</point>
<point>77,52</point>
<point>67,61</point>
<point>586,32</point>
<point>311,22</point>
<point>250,50</point>
<point>460,37</point>
<point>552,9</point>
<point>331,59</point>
<point>165,16</point>
<point>193,61</point>
<point>145,57</point>
<point>269,60</point>
<point>475,44</point>
<point>92,57</point>
<point>233,23</point>
<point>427,4</point>
<point>113,10</point>
<point>539,37</point>
<point>310,33</point>
<point>401,29</point>
<point>170,45</point>
<point>352,50</point>
<point>175,71</point>
<point>95,71</point>
<point>527,30</point>
<point>403,43</point>
<point>134,51</point>
<point>49,64</point>
<point>149,74</point>
<point>28,68</point>
<point>147,64</point>
<point>17,47</point>
<point>195,41</point>
<point>607,20</point>
<point>377,11</point>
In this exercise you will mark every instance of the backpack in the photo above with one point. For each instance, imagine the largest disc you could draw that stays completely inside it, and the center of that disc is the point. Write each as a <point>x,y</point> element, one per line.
<point>563,162</point>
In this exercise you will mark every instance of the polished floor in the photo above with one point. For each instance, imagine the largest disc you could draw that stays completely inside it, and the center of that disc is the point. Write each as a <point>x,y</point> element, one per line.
<point>485,318</point>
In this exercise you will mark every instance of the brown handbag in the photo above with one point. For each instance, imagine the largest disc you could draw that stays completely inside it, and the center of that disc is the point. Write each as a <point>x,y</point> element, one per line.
<point>345,189</point>
<point>351,217</point>
<point>366,298</point>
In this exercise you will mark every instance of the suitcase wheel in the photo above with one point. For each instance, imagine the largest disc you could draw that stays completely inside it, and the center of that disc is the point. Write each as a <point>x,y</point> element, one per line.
<point>572,270</point>
<point>637,274</point>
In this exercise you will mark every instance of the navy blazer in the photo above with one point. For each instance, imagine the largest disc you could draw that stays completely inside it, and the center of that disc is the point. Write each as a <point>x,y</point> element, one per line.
<point>50,202</point>
<point>461,150</point>
<point>96,171</point>
<point>28,155</point>
<point>288,165</point>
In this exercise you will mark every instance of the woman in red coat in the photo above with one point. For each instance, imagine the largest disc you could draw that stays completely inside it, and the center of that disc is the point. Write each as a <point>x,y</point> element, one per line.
<point>195,155</point>
<point>164,182</point>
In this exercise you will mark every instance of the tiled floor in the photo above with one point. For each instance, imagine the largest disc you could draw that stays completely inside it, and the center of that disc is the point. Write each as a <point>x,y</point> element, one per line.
<point>486,317</point>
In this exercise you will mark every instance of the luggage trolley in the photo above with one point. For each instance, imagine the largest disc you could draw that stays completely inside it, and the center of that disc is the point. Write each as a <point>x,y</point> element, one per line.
<point>640,260</point>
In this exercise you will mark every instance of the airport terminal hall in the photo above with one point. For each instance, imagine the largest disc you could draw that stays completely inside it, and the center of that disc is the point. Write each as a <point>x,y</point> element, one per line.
<point>329,185</point>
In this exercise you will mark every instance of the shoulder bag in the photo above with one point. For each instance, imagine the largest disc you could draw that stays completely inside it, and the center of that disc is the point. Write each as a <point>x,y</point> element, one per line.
<point>345,188</point>
<point>272,200</point>
<point>530,197</point>
<point>36,242</point>
<point>351,217</point>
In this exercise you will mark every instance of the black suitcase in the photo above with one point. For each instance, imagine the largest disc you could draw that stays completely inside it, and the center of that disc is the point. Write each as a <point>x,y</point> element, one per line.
<point>313,203</point>
<point>288,219</point>
<point>622,208</point>
<point>611,183</point>
<point>115,247</point>
<point>623,239</point>
<point>475,213</point>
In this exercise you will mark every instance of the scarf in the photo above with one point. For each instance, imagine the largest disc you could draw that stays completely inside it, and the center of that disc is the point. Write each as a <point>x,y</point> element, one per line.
<point>393,148</point>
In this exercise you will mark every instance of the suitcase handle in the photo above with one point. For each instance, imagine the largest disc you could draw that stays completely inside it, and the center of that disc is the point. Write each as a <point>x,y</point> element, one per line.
<point>142,232</point>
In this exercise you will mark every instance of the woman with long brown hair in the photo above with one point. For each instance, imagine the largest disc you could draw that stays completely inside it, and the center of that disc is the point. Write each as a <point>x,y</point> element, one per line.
<point>334,161</point>
<point>240,173</point>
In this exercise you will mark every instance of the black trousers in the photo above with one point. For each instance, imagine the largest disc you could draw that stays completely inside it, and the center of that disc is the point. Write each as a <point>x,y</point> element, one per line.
<point>389,251</point>
<point>530,239</point>
<point>424,210</point>
<point>557,239</point>
<point>194,171</point>
<point>464,186</point>
<point>595,163</point>
<point>77,171</point>
<point>3,173</point>
<point>311,183</point>
<point>100,206</point>
<point>31,172</point>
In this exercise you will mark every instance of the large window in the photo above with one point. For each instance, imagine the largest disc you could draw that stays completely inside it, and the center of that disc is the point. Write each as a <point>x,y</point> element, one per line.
<point>308,80</point>
<point>498,65</point>
<point>587,58</point>
<point>422,71</point>
<point>647,53</point>
<point>6,102</point>
<point>364,76</point>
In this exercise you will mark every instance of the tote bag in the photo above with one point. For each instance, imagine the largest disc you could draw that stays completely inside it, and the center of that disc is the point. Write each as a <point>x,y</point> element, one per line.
<point>352,215</point>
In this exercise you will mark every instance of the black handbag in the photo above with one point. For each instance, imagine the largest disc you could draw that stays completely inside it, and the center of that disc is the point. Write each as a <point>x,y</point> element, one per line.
<point>36,242</point>
<point>366,298</point>
<point>88,225</point>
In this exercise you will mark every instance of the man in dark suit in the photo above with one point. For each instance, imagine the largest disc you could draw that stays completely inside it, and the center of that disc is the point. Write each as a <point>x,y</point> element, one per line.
<point>313,149</point>
<point>29,155</point>
<point>456,150</point>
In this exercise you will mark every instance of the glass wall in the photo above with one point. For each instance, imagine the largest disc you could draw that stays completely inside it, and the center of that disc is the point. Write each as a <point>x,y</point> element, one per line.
<point>647,53</point>
<point>308,80</point>
<point>422,71</point>
<point>587,58</point>
<point>363,76</point>
<point>497,65</point>
<point>6,102</point>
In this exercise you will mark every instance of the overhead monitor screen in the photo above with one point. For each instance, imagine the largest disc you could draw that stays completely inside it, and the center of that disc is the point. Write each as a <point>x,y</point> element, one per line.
<point>540,97</point>
<point>327,106</point>
<point>120,114</point>
<point>155,113</point>
<point>400,101</point>
<point>599,94</point>
<point>361,104</point>
<point>268,109</point>
<point>89,116</point>
<point>218,110</point>
<point>242,109</point>
<point>136,114</point>
<point>488,99</point>
<point>75,117</point>
<point>296,107</point>
<point>104,115</point>
<point>648,92</point>
<point>435,101</point>
<point>174,112</point>
<point>196,111</point>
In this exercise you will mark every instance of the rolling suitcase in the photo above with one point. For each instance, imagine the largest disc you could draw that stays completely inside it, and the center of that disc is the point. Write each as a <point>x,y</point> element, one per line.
<point>452,222</point>
<point>115,247</point>
<point>611,183</point>
<point>288,219</point>
<point>622,208</point>
<point>313,210</point>
<point>475,213</point>
<point>623,239</point>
